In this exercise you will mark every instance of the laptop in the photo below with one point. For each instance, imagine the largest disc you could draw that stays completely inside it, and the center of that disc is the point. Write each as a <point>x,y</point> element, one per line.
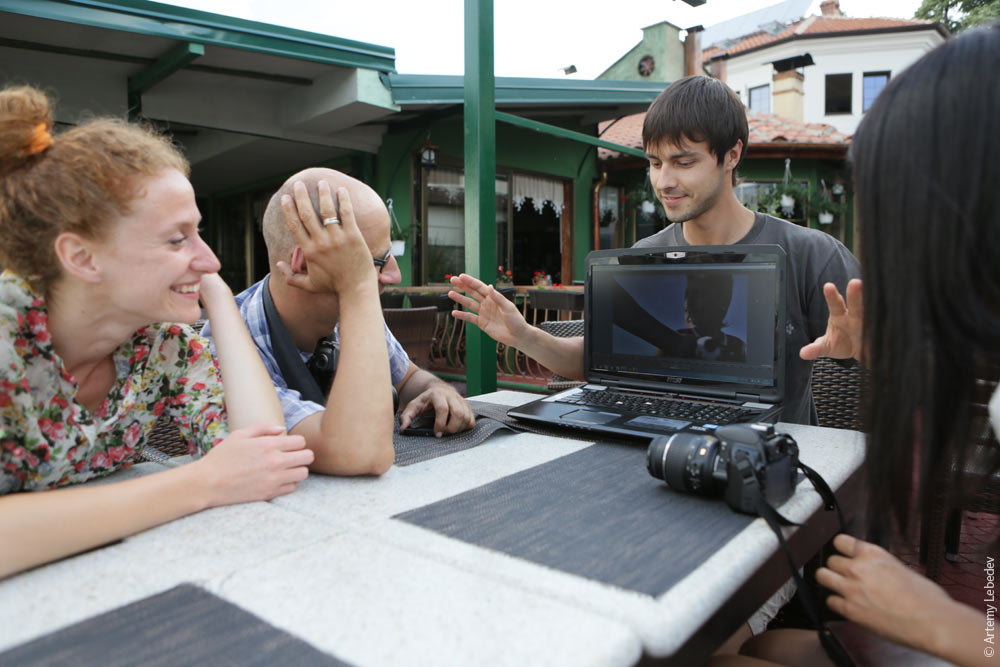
<point>676,338</point>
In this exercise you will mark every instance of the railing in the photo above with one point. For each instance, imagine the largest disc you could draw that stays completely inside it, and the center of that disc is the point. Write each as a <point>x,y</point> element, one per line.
<point>514,368</point>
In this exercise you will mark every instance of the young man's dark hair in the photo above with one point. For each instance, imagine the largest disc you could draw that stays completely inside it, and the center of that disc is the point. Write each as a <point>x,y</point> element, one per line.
<point>698,108</point>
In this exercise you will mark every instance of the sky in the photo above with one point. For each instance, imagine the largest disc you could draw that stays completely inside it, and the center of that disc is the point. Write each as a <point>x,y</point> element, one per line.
<point>532,38</point>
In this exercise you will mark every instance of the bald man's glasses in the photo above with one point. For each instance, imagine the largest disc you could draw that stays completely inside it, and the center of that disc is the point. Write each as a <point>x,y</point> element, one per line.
<point>380,263</point>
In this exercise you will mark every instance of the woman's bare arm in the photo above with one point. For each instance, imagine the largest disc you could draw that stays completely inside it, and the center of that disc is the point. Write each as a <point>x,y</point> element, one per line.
<point>257,463</point>
<point>250,396</point>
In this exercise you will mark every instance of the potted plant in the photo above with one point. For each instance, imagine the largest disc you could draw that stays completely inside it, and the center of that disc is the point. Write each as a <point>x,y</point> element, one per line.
<point>783,200</point>
<point>541,279</point>
<point>398,240</point>
<point>505,277</point>
<point>554,297</point>
<point>397,233</point>
<point>824,206</point>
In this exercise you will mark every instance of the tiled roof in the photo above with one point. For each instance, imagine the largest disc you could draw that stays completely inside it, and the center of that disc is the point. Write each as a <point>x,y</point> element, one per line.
<point>765,128</point>
<point>813,26</point>
<point>627,132</point>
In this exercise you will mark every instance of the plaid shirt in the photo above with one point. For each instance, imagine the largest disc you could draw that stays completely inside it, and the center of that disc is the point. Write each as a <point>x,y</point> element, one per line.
<point>296,408</point>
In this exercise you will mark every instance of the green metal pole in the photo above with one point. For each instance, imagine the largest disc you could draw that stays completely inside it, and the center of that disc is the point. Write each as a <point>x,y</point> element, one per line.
<point>480,183</point>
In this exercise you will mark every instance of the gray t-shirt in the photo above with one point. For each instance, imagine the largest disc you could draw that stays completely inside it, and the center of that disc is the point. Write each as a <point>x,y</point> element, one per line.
<point>814,258</point>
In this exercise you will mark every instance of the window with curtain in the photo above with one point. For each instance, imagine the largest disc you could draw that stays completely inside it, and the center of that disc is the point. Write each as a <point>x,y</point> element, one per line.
<point>538,203</point>
<point>444,228</point>
<point>609,217</point>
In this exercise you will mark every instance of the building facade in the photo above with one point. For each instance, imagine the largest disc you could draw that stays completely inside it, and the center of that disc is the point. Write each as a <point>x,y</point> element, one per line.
<point>821,69</point>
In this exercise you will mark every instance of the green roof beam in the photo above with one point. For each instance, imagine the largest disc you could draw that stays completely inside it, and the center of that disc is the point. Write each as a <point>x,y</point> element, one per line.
<point>431,89</point>
<point>164,66</point>
<point>556,131</point>
<point>182,24</point>
<point>139,60</point>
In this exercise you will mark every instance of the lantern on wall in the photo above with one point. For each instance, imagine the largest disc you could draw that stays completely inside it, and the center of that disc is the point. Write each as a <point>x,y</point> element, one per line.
<point>428,155</point>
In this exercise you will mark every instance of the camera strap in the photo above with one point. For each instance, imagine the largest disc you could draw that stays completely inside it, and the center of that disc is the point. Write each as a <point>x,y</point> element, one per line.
<point>775,520</point>
<point>293,369</point>
<point>311,381</point>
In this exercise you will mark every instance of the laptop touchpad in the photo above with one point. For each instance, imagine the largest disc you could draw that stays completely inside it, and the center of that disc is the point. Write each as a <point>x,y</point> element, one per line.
<point>589,417</point>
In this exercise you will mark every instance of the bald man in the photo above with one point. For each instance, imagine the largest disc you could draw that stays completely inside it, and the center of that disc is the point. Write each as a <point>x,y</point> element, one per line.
<point>328,240</point>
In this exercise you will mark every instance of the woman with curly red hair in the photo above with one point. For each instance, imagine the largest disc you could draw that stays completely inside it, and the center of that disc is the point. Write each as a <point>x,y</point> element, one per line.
<point>104,273</point>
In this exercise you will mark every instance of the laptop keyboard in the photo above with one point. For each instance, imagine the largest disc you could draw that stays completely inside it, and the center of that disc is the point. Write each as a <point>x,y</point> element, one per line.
<point>709,413</point>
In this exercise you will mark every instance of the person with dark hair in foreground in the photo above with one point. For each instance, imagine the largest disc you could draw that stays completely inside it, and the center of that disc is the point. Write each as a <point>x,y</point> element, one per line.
<point>926,172</point>
<point>105,269</point>
<point>695,136</point>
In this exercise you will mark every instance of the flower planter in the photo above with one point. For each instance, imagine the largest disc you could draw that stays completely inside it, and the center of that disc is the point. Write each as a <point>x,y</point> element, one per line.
<point>825,218</point>
<point>443,303</point>
<point>398,248</point>
<point>552,299</point>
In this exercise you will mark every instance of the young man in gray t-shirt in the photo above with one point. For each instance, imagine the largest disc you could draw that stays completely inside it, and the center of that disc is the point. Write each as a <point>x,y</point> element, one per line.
<point>695,136</point>
<point>814,258</point>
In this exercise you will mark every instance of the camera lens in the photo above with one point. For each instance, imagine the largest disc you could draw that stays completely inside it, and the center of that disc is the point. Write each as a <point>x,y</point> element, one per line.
<point>686,462</point>
<point>656,454</point>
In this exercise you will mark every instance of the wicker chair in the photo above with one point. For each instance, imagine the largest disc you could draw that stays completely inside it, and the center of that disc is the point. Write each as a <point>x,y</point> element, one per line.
<point>836,390</point>
<point>975,491</point>
<point>562,329</point>
<point>164,441</point>
<point>414,329</point>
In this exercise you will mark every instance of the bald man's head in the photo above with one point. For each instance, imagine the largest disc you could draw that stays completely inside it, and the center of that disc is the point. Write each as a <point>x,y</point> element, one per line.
<point>369,211</point>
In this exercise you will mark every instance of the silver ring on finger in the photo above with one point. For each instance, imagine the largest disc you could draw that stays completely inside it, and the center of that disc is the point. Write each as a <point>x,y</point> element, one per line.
<point>331,221</point>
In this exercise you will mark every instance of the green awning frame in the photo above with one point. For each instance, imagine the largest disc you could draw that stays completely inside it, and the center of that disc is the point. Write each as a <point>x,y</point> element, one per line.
<point>198,27</point>
<point>435,89</point>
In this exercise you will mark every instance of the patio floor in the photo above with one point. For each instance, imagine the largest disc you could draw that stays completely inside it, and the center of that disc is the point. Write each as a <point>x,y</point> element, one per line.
<point>963,579</point>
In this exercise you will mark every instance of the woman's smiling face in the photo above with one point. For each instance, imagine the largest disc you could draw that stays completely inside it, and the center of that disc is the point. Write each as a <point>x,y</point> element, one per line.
<point>154,258</point>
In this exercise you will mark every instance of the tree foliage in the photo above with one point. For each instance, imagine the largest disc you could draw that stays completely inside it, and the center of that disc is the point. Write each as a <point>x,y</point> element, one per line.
<point>957,15</point>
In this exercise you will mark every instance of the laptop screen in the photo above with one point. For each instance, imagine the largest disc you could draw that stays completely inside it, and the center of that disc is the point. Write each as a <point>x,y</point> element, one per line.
<point>698,318</point>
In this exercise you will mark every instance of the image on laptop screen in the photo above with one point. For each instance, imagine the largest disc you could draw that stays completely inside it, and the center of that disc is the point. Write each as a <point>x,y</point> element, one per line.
<point>707,322</point>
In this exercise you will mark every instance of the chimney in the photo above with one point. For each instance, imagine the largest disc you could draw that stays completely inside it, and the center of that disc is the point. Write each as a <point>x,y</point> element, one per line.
<point>786,95</point>
<point>692,51</point>
<point>718,69</point>
<point>830,8</point>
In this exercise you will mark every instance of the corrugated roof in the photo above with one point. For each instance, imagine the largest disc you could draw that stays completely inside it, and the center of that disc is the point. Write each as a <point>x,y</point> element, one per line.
<point>817,26</point>
<point>783,12</point>
<point>765,128</point>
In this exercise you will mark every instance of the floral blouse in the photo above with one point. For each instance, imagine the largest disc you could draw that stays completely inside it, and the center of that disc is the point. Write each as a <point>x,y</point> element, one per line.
<point>48,439</point>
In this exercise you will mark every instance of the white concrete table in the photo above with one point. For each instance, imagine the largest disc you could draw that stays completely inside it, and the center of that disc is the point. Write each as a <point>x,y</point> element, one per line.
<point>331,566</point>
<point>687,622</point>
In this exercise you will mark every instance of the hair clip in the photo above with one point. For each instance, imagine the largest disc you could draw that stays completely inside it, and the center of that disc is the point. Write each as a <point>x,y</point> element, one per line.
<point>40,140</point>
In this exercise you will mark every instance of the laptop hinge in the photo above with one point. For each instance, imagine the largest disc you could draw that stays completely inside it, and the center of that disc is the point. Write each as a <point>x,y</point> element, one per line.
<point>744,396</point>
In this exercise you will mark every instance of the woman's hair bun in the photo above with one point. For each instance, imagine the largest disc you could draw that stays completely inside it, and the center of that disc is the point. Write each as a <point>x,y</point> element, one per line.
<point>25,126</point>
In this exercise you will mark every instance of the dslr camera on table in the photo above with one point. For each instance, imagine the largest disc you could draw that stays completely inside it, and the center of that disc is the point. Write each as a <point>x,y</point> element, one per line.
<point>743,463</point>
